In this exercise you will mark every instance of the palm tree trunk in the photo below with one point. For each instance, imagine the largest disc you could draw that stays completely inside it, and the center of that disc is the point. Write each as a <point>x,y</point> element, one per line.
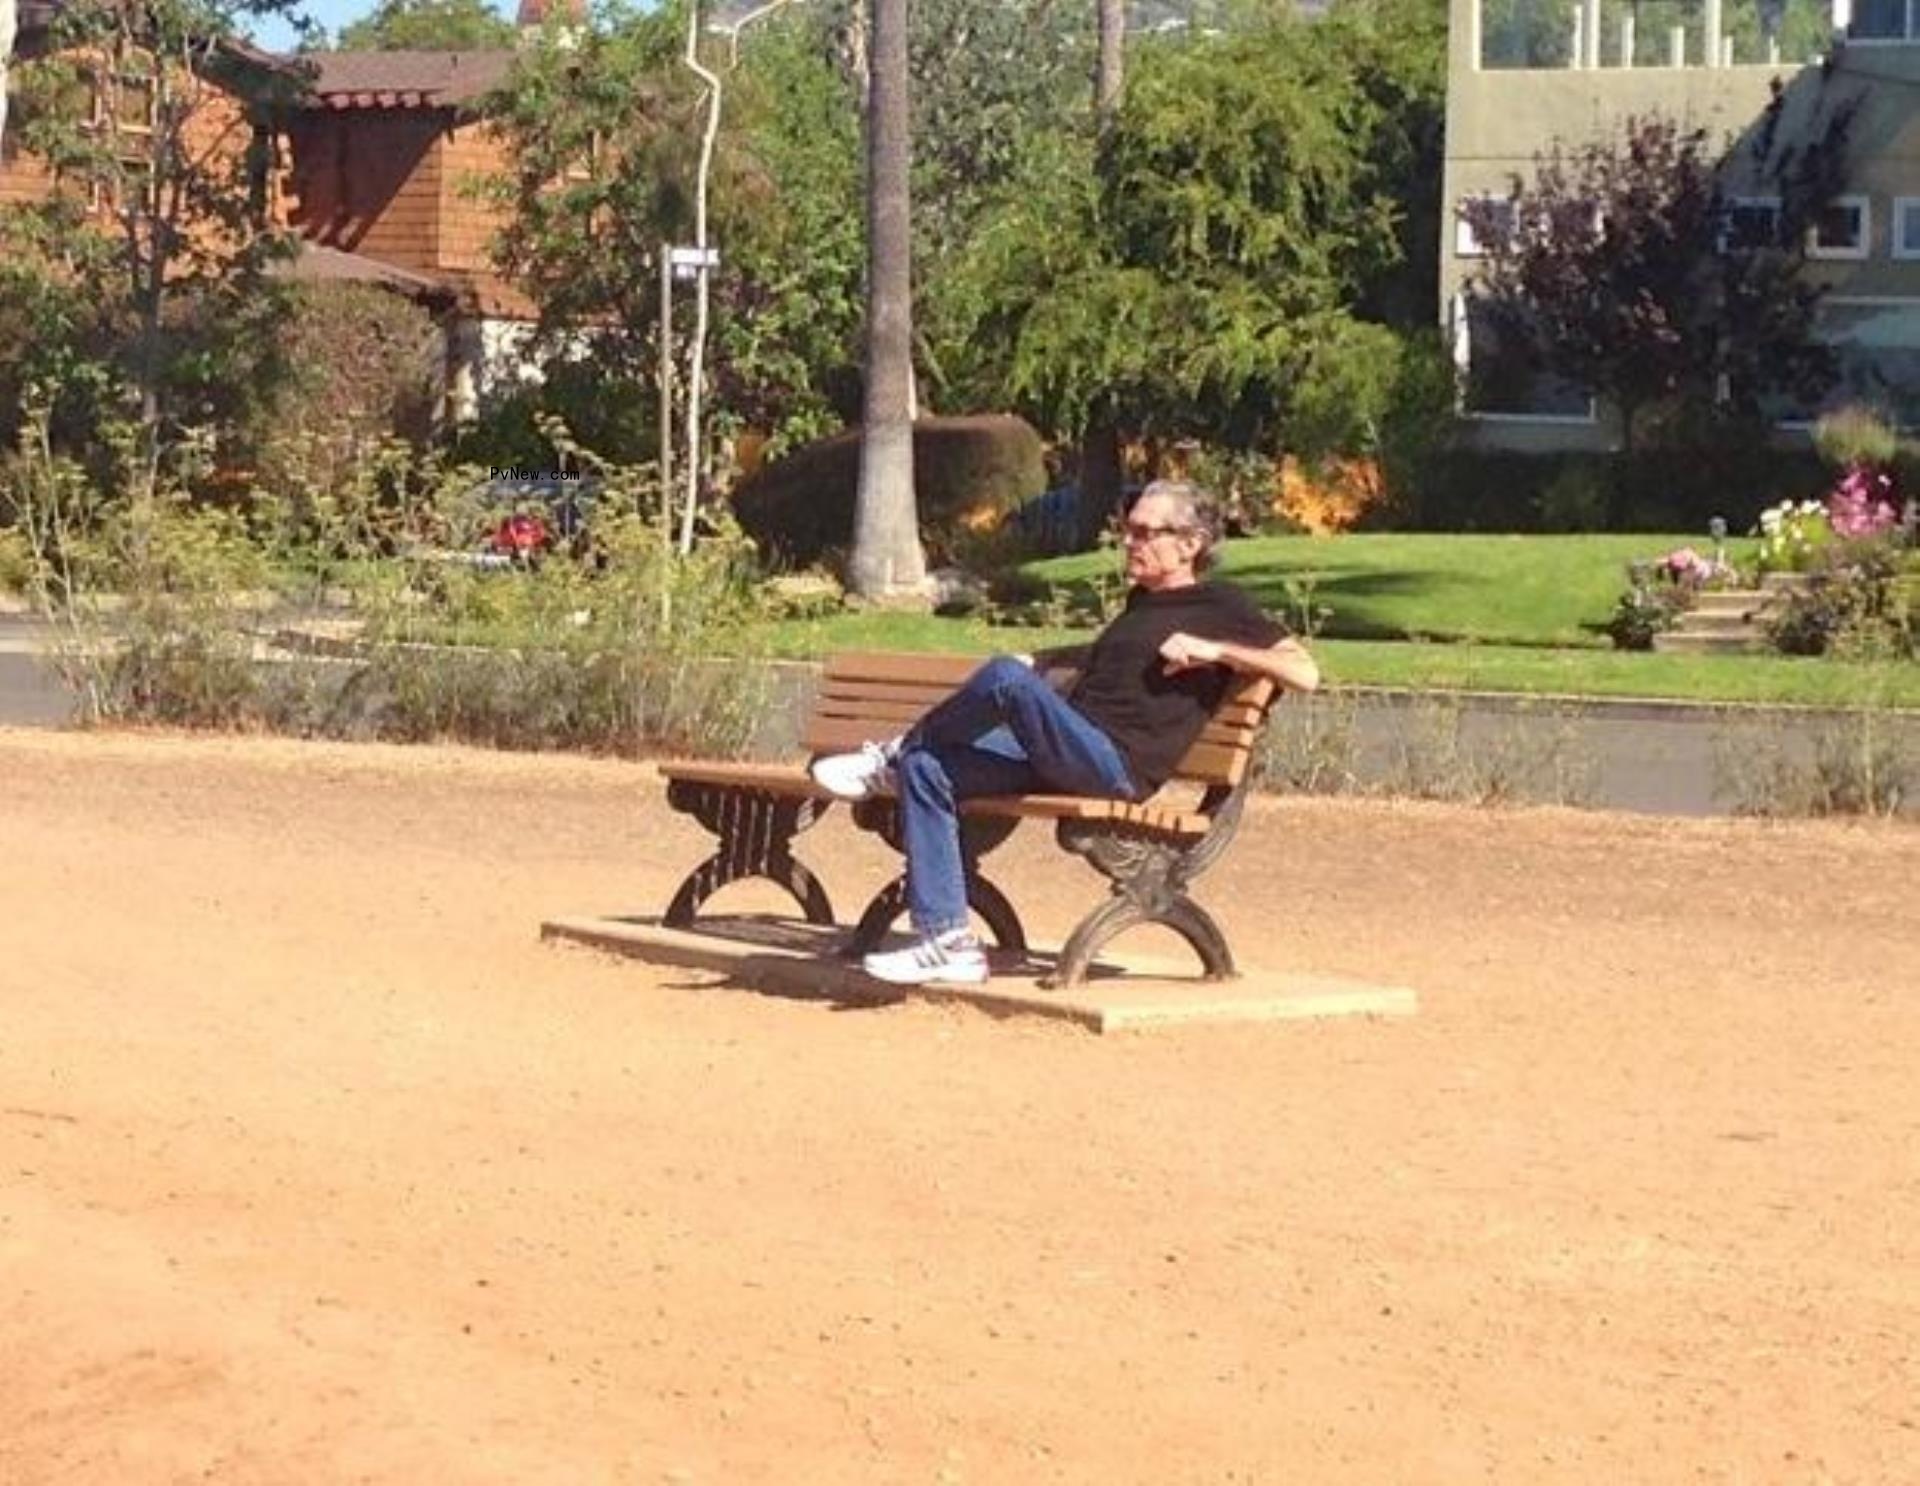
<point>887,560</point>
<point>1110,68</point>
<point>1100,470</point>
<point>9,19</point>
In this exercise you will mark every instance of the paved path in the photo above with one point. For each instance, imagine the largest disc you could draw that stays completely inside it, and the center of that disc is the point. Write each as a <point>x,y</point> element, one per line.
<point>29,697</point>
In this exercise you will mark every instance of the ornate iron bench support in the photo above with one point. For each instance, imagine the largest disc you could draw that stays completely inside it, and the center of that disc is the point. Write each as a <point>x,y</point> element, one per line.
<point>978,836</point>
<point>1149,873</point>
<point>755,830</point>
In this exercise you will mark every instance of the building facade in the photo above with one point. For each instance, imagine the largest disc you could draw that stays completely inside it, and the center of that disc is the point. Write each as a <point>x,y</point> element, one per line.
<point>1525,74</point>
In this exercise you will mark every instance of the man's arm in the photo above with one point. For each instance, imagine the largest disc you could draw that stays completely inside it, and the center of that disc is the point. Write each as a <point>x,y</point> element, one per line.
<point>1287,664</point>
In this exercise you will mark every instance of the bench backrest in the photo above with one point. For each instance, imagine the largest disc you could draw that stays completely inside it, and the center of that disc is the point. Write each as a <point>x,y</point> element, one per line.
<point>875,694</point>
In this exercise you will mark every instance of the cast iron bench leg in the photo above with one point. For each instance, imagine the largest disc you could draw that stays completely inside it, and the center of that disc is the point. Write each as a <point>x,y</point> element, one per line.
<point>982,897</point>
<point>1120,913</point>
<point>978,836</point>
<point>1149,876</point>
<point>755,830</point>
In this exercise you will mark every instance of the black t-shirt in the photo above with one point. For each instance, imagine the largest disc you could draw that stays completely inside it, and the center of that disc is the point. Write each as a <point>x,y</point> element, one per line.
<point>1153,717</point>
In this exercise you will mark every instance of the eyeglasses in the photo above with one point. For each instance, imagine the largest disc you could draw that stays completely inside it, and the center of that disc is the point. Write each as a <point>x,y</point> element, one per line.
<point>1133,531</point>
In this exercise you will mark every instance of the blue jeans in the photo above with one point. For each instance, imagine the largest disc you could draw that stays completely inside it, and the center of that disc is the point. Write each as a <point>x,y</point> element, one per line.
<point>1005,732</point>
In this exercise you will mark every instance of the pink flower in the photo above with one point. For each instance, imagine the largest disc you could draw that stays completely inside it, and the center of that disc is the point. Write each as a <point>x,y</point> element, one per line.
<point>1863,504</point>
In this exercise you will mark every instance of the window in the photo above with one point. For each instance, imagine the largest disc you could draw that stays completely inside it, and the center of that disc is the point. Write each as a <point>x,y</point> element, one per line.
<point>1877,344</point>
<point>1841,229</point>
<point>127,103</point>
<point>1885,21</point>
<point>1750,222</point>
<point>1498,216</point>
<point>1502,383</point>
<point>1906,226</point>
<point>126,108</point>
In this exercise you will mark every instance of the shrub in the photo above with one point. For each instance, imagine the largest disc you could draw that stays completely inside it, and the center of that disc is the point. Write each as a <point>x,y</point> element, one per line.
<point>1651,605</point>
<point>1793,535</point>
<point>968,474</point>
<point>1575,499</point>
<point>609,413</point>
<point>16,562</point>
<point>1854,436</point>
<point>1498,490</point>
<point>363,365</point>
<point>1864,504</point>
<point>160,610</point>
<point>1856,604</point>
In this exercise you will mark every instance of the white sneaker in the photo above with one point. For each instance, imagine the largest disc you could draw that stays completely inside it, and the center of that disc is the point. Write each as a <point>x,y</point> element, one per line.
<point>854,776</point>
<point>951,959</point>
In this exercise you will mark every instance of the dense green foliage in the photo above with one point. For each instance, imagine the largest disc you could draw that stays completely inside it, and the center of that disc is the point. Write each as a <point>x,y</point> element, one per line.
<point>138,291</point>
<point>1246,258</point>
<point>968,474</point>
<point>1206,271</point>
<point>428,25</point>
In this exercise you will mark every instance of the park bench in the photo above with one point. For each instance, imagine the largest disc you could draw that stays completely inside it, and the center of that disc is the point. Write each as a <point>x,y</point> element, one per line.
<point>1148,851</point>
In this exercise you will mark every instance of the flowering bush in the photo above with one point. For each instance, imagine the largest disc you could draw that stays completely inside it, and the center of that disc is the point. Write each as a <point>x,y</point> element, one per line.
<point>1792,536</point>
<point>1659,592</point>
<point>1857,606</point>
<point>1690,569</point>
<point>1864,505</point>
<point>1646,609</point>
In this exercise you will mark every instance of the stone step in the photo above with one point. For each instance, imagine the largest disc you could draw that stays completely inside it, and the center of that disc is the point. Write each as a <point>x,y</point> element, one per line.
<point>1696,623</point>
<point>1733,601</point>
<point>1679,642</point>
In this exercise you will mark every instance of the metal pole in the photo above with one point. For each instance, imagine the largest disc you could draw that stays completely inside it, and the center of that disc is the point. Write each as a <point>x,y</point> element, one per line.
<point>666,387</point>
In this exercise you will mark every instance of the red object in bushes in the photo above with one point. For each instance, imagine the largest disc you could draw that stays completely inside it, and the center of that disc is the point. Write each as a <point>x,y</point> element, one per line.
<point>520,534</point>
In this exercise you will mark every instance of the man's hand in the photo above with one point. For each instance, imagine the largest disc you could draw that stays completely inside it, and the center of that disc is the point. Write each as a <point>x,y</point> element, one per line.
<point>1182,652</point>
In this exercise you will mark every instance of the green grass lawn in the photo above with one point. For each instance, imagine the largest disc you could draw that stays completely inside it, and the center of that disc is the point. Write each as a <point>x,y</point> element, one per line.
<point>1778,679</point>
<point>1484,613</point>
<point>1498,590</point>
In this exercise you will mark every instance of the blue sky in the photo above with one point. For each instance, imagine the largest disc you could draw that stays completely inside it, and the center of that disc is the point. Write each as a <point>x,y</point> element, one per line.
<point>333,14</point>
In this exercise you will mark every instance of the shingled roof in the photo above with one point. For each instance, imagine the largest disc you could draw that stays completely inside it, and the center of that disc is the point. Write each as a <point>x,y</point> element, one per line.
<point>346,80</point>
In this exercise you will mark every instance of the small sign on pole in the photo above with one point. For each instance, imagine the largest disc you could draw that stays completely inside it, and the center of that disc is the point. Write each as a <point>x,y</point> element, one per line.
<point>687,262</point>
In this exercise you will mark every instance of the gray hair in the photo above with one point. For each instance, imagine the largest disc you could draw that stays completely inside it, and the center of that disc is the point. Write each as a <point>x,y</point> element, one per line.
<point>1198,511</point>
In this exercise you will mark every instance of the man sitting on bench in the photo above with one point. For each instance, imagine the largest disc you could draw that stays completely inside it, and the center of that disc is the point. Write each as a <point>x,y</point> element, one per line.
<point>1151,680</point>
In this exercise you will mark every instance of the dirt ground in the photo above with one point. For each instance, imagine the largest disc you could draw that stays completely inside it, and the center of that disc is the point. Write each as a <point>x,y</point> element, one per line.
<point>317,1166</point>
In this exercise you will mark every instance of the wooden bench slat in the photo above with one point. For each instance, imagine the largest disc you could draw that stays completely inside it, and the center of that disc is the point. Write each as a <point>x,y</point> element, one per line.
<point>895,665</point>
<point>1075,807</point>
<point>845,734</point>
<point>845,693</point>
<point>786,778</point>
<point>1212,764</point>
<point>909,709</point>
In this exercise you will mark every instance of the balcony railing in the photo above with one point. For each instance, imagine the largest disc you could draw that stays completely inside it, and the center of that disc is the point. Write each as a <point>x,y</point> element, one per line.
<point>1674,33</point>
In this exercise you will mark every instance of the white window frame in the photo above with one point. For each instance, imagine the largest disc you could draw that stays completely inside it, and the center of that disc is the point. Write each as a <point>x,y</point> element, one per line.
<point>1465,244</point>
<point>1862,249</point>
<point>1901,246</point>
<point>1736,203</point>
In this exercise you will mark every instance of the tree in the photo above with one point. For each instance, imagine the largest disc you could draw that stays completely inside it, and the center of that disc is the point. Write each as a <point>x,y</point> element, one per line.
<point>1618,269</point>
<point>1101,475</point>
<point>605,135</point>
<point>887,560</point>
<point>429,25</point>
<point>1203,280</point>
<point>140,281</point>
